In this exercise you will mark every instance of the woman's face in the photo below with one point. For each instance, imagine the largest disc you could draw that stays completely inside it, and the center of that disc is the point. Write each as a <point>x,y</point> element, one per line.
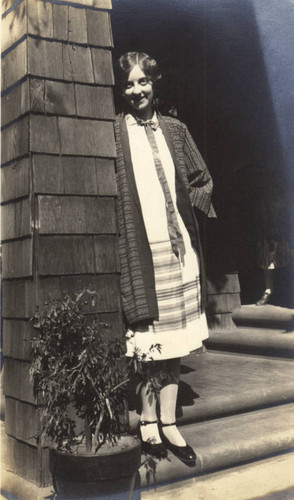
<point>139,93</point>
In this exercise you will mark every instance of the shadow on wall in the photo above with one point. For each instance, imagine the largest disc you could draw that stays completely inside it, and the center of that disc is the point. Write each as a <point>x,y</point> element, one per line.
<point>225,80</point>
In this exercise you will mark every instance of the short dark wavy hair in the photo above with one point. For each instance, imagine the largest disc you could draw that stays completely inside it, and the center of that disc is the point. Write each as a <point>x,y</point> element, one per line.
<point>126,63</point>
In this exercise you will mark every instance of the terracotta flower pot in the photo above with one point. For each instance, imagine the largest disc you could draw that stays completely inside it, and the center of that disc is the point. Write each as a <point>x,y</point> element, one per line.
<point>113,469</point>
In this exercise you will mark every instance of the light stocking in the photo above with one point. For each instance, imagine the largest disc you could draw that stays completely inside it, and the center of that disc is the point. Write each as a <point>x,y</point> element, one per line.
<point>168,400</point>
<point>149,432</point>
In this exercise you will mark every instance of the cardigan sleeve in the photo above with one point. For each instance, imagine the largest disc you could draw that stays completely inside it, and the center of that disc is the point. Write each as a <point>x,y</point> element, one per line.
<point>200,181</point>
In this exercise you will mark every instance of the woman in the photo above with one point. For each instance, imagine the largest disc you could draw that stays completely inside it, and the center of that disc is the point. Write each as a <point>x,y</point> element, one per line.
<point>160,177</point>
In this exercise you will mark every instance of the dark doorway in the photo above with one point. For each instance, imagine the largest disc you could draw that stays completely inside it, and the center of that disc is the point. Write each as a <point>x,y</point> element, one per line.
<point>218,74</point>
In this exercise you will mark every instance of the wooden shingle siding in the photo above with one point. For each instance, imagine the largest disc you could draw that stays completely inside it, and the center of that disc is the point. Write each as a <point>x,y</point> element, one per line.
<point>17,335</point>
<point>223,296</point>
<point>25,460</point>
<point>76,215</point>
<point>77,63</point>
<point>44,134</point>
<point>60,135</point>
<point>22,420</point>
<point>37,13</point>
<point>18,295</point>
<point>15,103</point>
<point>80,176</point>
<point>40,19</point>
<point>84,138</point>
<point>113,321</point>
<point>13,25</point>
<point>48,174</point>
<point>63,61</point>
<point>15,140</point>
<point>103,73</point>
<point>89,26</point>
<point>16,219</point>
<point>37,94</point>
<point>17,259</point>
<point>105,174</point>
<point>77,25</point>
<point>15,180</point>
<point>64,175</point>
<point>99,28</point>
<point>94,102</point>
<point>226,283</point>
<point>77,255</point>
<point>58,188</point>
<point>17,382</point>
<point>18,298</point>
<point>220,321</point>
<point>73,175</point>
<point>59,98</point>
<point>223,302</point>
<point>14,65</point>
<point>45,58</point>
<point>6,5</point>
<point>60,22</point>
<point>105,285</point>
<point>57,175</point>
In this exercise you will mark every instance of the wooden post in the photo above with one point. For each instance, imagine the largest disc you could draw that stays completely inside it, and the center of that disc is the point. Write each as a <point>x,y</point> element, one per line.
<point>58,186</point>
<point>223,296</point>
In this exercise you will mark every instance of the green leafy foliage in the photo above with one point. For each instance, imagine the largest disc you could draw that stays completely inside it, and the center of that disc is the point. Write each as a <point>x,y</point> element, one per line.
<point>75,366</point>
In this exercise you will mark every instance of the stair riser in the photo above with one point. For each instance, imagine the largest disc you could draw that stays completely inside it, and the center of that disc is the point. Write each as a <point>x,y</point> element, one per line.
<point>248,350</point>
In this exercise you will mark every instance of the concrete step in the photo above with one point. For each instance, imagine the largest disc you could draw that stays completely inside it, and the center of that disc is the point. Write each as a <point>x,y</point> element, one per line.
<point>270,478</point>
<point>225,442</point>
<point>267,316</point>
<point>214,385</point>
<point>261,478</point>
<point>257,341</point>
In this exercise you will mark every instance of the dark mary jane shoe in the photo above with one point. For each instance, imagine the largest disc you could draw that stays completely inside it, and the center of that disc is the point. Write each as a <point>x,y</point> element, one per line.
<point>184,453</point>
<point>157,450</point>
<point>264,299</point>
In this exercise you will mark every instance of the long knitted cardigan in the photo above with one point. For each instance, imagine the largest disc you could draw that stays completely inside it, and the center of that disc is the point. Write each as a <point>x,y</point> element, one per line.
<point>193,189</point>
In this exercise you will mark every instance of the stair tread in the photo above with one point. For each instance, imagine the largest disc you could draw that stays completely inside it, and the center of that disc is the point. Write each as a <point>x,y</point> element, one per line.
<point>268,315</point>
<point>226,442</point>
<point>216,384</point>
<point>255,340</point>
<point>227,384</point>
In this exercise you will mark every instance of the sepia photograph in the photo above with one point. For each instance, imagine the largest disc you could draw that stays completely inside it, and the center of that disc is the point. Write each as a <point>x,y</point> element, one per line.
<point>147,250</point>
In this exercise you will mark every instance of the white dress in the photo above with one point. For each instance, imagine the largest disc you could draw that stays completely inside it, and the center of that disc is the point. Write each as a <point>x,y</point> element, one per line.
<point>181,327</point>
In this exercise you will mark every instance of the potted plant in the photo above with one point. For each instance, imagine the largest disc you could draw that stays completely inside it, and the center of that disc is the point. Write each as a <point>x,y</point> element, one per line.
<point>80,376</point>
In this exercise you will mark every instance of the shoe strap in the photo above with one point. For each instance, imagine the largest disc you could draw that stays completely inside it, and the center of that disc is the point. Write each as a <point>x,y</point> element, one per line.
<point>145,422</point>
<point>167,425</point>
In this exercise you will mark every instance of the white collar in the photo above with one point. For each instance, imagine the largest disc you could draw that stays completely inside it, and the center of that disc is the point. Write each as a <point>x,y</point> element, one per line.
<point>131,120</point>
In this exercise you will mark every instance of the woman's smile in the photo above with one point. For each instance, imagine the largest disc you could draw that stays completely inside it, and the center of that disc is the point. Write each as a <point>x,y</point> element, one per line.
<point>139,92</point>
